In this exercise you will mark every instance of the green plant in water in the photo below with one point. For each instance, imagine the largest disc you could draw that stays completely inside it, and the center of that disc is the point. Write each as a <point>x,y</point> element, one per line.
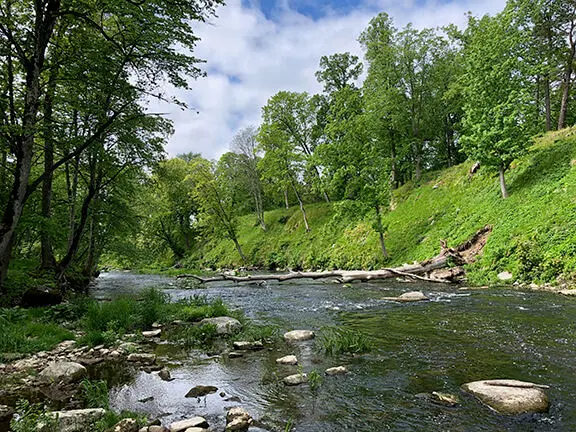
<point>94,394</point>
<point>334,341</point>
<point>289,426</point>
<point>30,416</point>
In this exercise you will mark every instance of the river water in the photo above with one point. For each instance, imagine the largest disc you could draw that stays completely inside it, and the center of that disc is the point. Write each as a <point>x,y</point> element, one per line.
<point>457,337</point>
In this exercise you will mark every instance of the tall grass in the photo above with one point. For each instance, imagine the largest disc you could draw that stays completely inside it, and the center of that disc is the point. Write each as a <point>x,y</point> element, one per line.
<point>334,341</point>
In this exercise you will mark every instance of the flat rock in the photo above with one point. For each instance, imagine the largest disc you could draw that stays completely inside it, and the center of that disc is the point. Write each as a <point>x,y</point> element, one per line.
<point>73,420</point>
<point>568,292</point>
<point>200,391</point>
<point>182,425</point>
<point>142,358</point>
<point>152,333</point>
<point>246,346</point>
<point>290,360</point>
<point>298,335</point>
<point>296,379</point>
<point>338,370</point>
<point>224,325</point>
<point>510,396</point>
<point>63,371</point>
<point>412,296</point>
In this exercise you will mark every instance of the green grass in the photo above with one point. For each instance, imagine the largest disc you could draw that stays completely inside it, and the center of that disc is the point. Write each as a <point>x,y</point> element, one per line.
<point>334,341</point>
<point>533,237</point>
<point>25,331</point>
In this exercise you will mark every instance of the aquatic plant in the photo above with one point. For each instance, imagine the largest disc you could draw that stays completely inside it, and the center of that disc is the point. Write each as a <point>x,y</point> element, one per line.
<point>334,341</point>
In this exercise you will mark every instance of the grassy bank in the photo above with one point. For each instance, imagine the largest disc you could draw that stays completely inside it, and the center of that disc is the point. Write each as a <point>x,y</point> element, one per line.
<point>534,231</point>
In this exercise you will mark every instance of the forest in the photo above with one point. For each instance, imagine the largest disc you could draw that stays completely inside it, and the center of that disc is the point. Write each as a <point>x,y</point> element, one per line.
<point>85,181</point>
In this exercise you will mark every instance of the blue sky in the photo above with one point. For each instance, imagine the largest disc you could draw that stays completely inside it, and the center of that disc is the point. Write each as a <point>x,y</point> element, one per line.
<point>255,48</point>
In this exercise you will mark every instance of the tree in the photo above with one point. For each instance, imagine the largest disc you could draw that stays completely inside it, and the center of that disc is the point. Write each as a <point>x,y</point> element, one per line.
<point>215,199</point>
<point>105,47</point>
<point>338,71</point>
<point>245,145</point>
<point>498,113</point>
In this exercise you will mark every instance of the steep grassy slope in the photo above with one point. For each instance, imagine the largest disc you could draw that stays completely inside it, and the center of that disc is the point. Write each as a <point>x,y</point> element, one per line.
<point>534,231</point>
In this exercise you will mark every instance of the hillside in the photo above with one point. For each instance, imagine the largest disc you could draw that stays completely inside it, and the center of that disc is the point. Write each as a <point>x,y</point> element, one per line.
<point>534,231</point>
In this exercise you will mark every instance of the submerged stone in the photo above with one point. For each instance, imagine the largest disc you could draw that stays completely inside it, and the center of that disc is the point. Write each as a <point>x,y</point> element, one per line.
<point>510,396</point>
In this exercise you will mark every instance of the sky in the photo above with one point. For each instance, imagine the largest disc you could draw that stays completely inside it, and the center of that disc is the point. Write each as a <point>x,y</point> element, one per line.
<point>255,48</point>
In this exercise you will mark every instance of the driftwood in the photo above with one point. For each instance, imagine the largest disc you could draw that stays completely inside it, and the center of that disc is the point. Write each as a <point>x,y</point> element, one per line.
<point>446,267</point>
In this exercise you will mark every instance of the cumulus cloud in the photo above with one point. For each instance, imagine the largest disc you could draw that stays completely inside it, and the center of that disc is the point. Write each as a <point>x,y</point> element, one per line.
<point>250,57</point>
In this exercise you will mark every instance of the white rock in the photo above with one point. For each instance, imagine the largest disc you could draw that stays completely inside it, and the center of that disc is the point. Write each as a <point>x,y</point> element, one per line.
<point>152,333</point>
<point>412,296</point>
<point>63,372</point>
<point>510,396</point>
<point>339,370</point>
<point>288,360</point>
<point>297,379</point>
<point>243,345</point>
<point>299,335</point>
<point>224,325</point>
<point>182,425</point>
<point>505,276</point>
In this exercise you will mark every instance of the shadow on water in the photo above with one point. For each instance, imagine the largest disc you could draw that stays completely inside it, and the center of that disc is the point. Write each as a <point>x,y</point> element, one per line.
<point>438,345</point>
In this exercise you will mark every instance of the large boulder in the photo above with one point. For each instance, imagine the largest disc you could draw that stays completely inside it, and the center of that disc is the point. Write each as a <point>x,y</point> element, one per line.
<point>510,396</point>
<point>224,325</point>
<point>72,421</point>
<point>238,419</point>
<point>63,372</point>
<point>298,335</point>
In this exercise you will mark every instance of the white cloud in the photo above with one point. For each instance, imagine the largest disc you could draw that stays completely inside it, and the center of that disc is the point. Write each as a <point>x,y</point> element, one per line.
<point>250,58</point>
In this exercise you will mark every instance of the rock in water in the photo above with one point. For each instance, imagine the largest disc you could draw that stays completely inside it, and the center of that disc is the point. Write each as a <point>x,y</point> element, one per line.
<point>245,345</point>
<point>65,372</point>
<point>339,370</point>
<point>510,396</point>
<point>126,425</point>
<point>200,391</point>
<point>412,296</point>
<point>296,379</point>
<point>289,360</point>
<point>182,425</point>
<point>238,419</point>
<point>298,335</point>
<point>224,325</point>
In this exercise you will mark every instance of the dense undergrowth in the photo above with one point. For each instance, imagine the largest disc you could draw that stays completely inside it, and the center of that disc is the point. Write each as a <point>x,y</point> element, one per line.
<point>533,237</point>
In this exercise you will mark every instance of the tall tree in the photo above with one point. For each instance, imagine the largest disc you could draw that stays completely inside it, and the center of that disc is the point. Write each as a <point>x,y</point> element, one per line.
<point>498,112</point>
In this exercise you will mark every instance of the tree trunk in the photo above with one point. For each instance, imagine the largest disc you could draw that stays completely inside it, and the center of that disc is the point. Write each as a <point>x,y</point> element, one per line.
<point>567,81</point>
<point>380,231</point>
<point>286,203</point>
<point>547,104</point>
<point>503,182</point>
<point>239,249</point>
<point>46,15</point>
<point>302,209</point>
<point>47,261</point>
<point>437,269</point>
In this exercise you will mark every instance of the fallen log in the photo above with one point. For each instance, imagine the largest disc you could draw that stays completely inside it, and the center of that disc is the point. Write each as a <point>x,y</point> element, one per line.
<point>446,267</point>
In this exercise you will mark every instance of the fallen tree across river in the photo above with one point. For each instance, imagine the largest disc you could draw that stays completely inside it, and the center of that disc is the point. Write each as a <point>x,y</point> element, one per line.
<point>446,267</point>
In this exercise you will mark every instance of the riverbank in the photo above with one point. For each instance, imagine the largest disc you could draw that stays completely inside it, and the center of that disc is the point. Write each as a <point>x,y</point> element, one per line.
<point>533,237</point>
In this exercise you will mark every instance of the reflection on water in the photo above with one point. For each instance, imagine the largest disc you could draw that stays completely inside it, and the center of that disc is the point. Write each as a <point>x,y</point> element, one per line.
<point>421,347</point>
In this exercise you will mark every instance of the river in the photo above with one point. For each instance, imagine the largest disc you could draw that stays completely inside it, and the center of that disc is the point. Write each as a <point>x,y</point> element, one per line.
<point>457,337</point>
